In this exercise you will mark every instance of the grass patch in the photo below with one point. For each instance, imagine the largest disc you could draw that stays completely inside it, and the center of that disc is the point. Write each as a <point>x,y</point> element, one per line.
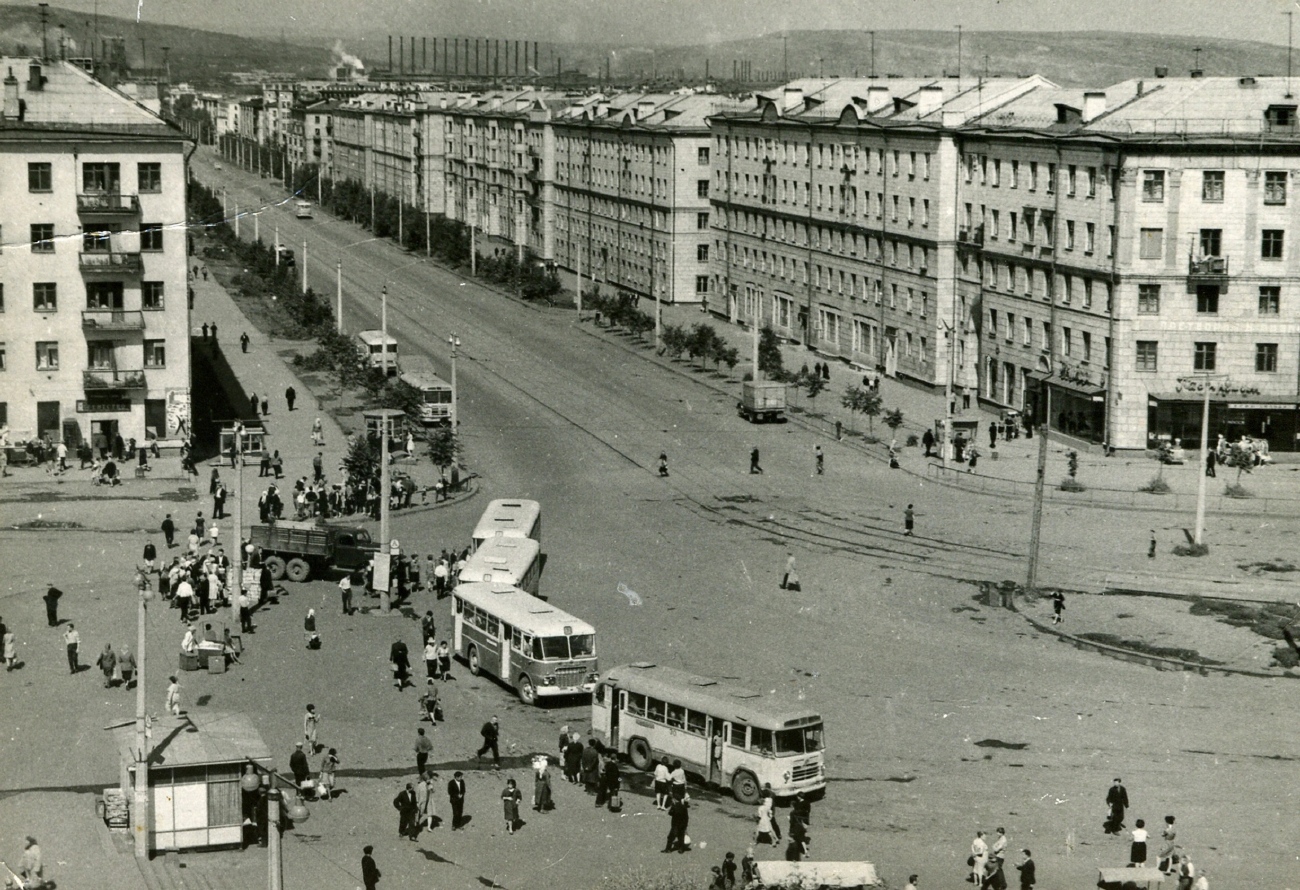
<point>1069,483</point>
<point>1268,620</point>
<point>1192,550</point>
<point>1140,646</point>
<point>1156,485</point>
<point>1235,490</point>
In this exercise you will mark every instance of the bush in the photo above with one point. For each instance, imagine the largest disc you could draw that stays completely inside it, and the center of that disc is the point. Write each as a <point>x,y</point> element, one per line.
<point>1285,657</point>
<point>1236,490</point>
<point>1191,550</point>
<point>1069,483</point>
<point>1157,485</point>
<point>913,440</point>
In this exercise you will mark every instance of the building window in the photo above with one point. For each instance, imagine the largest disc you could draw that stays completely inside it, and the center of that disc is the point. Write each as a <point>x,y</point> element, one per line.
<point>45,296</point>
<point>1087,346</point>
<point>151,236</point>
<point>1269,299</point>
<point>1203,358</point>
<point>1212,186</point>
<point>993,324</point>
<point>702,156</point>
<point>4,367</point>
<point>1211,242</point>
<point>1152,244</point>
<point>1148,299</point>
<point>1153,186</point>
<point>42,238</point>
<point>701,220</point>
<point>47,355</point>
<point>1207,300</point>
<point>701,188</point>
<point>1092,182</point>
<point>151,295</point>
<point>702,252</point>
<point>1147,355</point>
<point>1033,176</point>
<point>1265,357</point>
<point>101,178</point>
<point>40,177</point>
<point>1029,332</point>
<point>1274,186</point>
<point>701,284</point>
<point>1051,179</point>
<point>1271,245</point>
<point>1069,234</point>
<point>1090,238</point>
<point>155,353</point>
<point>1067,341</point>
<point>1015,174</point>
<point>149,177</point>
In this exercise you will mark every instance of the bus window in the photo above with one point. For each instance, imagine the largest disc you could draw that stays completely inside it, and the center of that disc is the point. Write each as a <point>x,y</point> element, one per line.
<point>537,648</point>
<point>492,626</point>
<point>677,716</point>
<point>599,695</point>
<point>582,645</point>
<point>799,741</point>
<point>738,735</point>
<point>760,740</point>
<point>516,640</point>
<point>695,722</point>
<point>636,704</point>
<point>555,647</point>
<point>506,630</point>
<point>480,619</point>
<point>458,605</point>
<point>655,710</point>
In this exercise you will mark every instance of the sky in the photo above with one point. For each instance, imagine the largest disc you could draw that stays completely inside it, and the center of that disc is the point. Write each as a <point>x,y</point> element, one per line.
<point>650,22</point>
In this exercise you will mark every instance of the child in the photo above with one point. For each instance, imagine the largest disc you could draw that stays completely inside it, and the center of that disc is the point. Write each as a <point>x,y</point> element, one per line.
<point>9,650</point>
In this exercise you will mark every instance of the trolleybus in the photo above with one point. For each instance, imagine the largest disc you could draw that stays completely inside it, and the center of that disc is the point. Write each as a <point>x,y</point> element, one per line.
<point>515,561</point>
<point>513,518</point>
<point>371,346</point>
<point>435,393</point>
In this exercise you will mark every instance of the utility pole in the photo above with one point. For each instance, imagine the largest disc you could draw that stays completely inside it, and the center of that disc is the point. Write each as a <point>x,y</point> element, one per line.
<point>785,57</point>
<point>304,267</point>
<point>873,52</point>
<point>959,53</point>
<point>274,857</point>
<point>140,797</point>
<point>385,483</point>
<point>338,286</point>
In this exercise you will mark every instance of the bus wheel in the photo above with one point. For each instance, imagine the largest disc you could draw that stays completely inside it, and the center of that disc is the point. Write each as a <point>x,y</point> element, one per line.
<point>274,565</point>
<point>298,570</point>
<point>744,787</point>
<point>639,753</point>
<point>527,694</point>
<point>472,657</point>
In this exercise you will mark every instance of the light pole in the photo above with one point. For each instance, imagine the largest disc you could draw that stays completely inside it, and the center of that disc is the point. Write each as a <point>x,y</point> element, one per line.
<point>304,267</point>
<point>454,342</point>
<point>235,584</point>
<point>140,796</point>
<point>385,483</point>
<point>1203,381</point>
<point>338,287</point>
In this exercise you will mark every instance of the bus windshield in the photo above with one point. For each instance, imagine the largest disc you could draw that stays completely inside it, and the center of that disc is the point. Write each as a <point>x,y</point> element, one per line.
<point>558,648</point>
<point>804,740</point>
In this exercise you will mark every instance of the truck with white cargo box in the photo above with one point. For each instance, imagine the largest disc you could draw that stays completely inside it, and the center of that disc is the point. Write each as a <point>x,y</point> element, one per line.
<point>762,401</point>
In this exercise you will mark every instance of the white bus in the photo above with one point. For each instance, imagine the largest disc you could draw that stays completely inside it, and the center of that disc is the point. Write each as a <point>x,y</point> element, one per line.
<point>530,645</point>
<point>509,519</point>
<point>371,346</point>
<point>722,732</point>
<point>435,393</point>
<point>302,209</point>
<point>515,561</point>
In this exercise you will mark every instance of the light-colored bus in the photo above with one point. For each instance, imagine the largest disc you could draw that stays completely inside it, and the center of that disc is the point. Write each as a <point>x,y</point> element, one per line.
<point>515,561</point>
<point>435,393</point>
<point>729,735</point>
<point>302,209</point>
<point>371,346</point>
<point>509,518</point>
<point>530,645</point>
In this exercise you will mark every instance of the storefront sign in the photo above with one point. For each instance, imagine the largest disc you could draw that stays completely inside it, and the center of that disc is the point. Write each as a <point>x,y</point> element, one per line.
<point>1260,406</point>
<point>84,407</point>
<point>1074,375</point>
<point>1223,387</point>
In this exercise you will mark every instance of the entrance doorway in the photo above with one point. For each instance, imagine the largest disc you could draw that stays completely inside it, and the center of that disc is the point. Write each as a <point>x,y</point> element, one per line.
<point>103,433</point>
<point>47,420</point>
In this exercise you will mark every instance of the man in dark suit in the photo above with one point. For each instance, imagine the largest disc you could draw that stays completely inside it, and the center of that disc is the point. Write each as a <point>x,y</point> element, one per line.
<point>1026,869</point>
<point>456,792</point>
<point>680,817</point>
<point>408,812</point>
<point>491,732</point>
<point>369,871</point>
<point>1117,800</point>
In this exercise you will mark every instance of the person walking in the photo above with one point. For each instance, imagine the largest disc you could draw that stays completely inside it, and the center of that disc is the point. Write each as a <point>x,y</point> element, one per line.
<point>510,797</point>
<point>456,794</point>
<point>763,830</point>
<point>1169,847</point>
<point>663,463</point>
<point>909,521</point>
<point>423,748</point>
<point>573,759</point>
<point>1058,608</point>
<point>243,342</point>
<point>430,658</point>
<point>998,851</point>
<point>789,571</point>
<point>266,406</point>
<point>318,432</point>
<point>325,780</point>
<point>1210,460</point>
<point>590,767</point>
<point>72,642</point>
<point>400,663</point>
<point>662,784</point>
<point>677,780</point>
<point>444,661</point>
<point>219,502</point>
<point>52,596</point>
<point>107,663</point>
<point>408,813</point>
<point>820,457</point>
<point>1028,871</point>
<point>10,648</point>
<point>345,593</point>
<point>149,555</point>
<point>370,873</point>
<point>1117,800</point>
<point>610,781</point>
<point>679,820</point>
<point>927,439</point>
<point>252,404</point>
<point>172,703</point>
<point>290,395</point>
<point>298,765</point>
<point>754,468</point>
<point>310,720</point>
<point>424,800</point>
<point>168,528</point>
<point>318,467</point>
<point>491,733</point>
<point>1151,548</point>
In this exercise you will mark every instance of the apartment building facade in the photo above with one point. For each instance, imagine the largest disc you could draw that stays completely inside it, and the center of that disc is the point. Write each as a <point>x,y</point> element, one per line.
<point>377,144</point>
<point>94,305</point>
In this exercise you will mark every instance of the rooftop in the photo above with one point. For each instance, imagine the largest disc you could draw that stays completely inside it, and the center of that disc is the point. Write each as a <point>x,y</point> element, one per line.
<point>200,737</point>
<point>61,96</point>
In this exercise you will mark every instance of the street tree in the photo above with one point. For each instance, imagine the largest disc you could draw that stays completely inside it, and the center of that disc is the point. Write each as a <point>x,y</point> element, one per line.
<point>444,447</point>
<point>860,400</point>
<point>770,361</point>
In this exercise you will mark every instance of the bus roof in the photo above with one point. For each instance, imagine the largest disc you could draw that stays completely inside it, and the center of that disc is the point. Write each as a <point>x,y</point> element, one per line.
<point>503,551</point>
<point>720,698</point>
<point>507,514</point>
<point>371,337</point>
<point>422,378</point>
<point>775,873</point>
<point>515,607</point>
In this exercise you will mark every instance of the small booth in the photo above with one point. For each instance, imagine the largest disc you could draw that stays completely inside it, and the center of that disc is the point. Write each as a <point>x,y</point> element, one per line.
<point>967,428</point>
<point>394,418</point>
<point>194,766</point>
<point>252,441</point>
<point>797,875</point>
<point>1129,878</point>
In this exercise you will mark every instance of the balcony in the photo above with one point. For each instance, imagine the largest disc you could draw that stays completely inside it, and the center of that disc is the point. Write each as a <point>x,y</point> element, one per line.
<point>971,235</point>
<point>105,204</point>
<point>1207,267</point>
<point>111,263</point>
<point>111,321</point>
<point>106,379</point>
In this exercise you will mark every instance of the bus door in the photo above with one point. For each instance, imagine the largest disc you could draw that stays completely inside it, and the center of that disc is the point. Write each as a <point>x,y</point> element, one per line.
<point>506,672</point>
<point>713,731</point>
<point>602,701</point>
<point>733,741</point>
<point>457,620</point>
<point>618,702</point>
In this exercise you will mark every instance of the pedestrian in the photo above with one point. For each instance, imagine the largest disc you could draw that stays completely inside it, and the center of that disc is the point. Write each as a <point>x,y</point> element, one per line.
<point>979,857</point>
<point>510,798</point>
<point>243,342</point>
<point>1151,548</point>
<point>345,593</point>
<point>610,781</point>
<point>205,330</point>
<point>972,458</point>
<point>1058,607</point>
<point>107,663</point>
<point>826,370</point>
<point>1169,847</point>
<point>927,439</point>
<point>1117,800</point>
<point>820,457</point>
<point>444,661</point>
<point>999,849</point>
<point>749,869</point>
<point>424,801</point>
<point>408,813</point>
<point>169,531</point>
<point>10,649</point>
<point>677,780</point>
<point>440,572</point>
<point>590,767</point>
<point>51,598</point>
<point>430,703</point>
<point>679,820</point>
<point>1210,460</point>
<point>909,521</point>
<point>729,871</point>
<point>423,748</point>
<point>800,814</point>
<point>219,502</point>
<point>290,395</point>
<point>310,721</point>
<point>400,663</point>
<point>995,878</point>
<point>491,733</point>
<point>1186,874</point>
<point>663,463</point>
<point>30,867</point>
<point>430,658</point>
<point>993,434</point>
<point>72,642</point>
<point>317,432</point>
<point>754,468</point>
<point>277,468</point>
<point>428,628</point>
<point>252,404</point>
<point>298,765</point>
<point>789,570</point>
<point>662,784</point>
<point>573,759</point>
<point>172,703</point>
<point>1028,873</point>
<point>205,274</point>
<point>266,406</point>
<point>1137,856</point>
<point>370,873</point>
<point>318,467</point>
<point>325,779</point>
<point>763,830</point>
<point>456,794</point>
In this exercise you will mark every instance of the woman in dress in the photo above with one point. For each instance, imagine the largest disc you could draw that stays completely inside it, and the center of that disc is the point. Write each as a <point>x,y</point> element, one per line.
<point>444,661</point>
<point>663,784</point>
<point>325,783</point>
<point>763,832</point>
<point>430,658</point>
<point>542,801</point>
<point>510,798</point>
<point>1137,856</point>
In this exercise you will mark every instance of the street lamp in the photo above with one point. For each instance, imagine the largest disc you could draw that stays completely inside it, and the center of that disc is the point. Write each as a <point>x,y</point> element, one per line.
<point>454,342</point>
<point>268,795</point>
<point>1203,381</point>
<point>140,797</point>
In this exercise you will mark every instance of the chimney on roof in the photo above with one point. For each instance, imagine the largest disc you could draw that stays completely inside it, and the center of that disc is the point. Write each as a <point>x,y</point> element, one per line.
<point>929,99</point>
<point>792,97</point>
<point>877,98</point>
<point>34,79</point>
<point>644,109</point>
<point>1094,105</point>
<point>11,97</point>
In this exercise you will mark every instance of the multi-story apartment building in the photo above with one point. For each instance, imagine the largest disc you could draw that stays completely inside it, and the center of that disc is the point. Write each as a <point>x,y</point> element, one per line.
<point>376,143</point>
<point>631,189</point>
<point>94,314</point>
<point>836,220</point>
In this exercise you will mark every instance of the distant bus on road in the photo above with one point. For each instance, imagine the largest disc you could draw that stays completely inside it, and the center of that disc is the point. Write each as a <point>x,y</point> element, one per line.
<point>509,519</point>
<point>503,560</point>
<point>302,209</point>
<point>371,346</point>
<point>435,393</point>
